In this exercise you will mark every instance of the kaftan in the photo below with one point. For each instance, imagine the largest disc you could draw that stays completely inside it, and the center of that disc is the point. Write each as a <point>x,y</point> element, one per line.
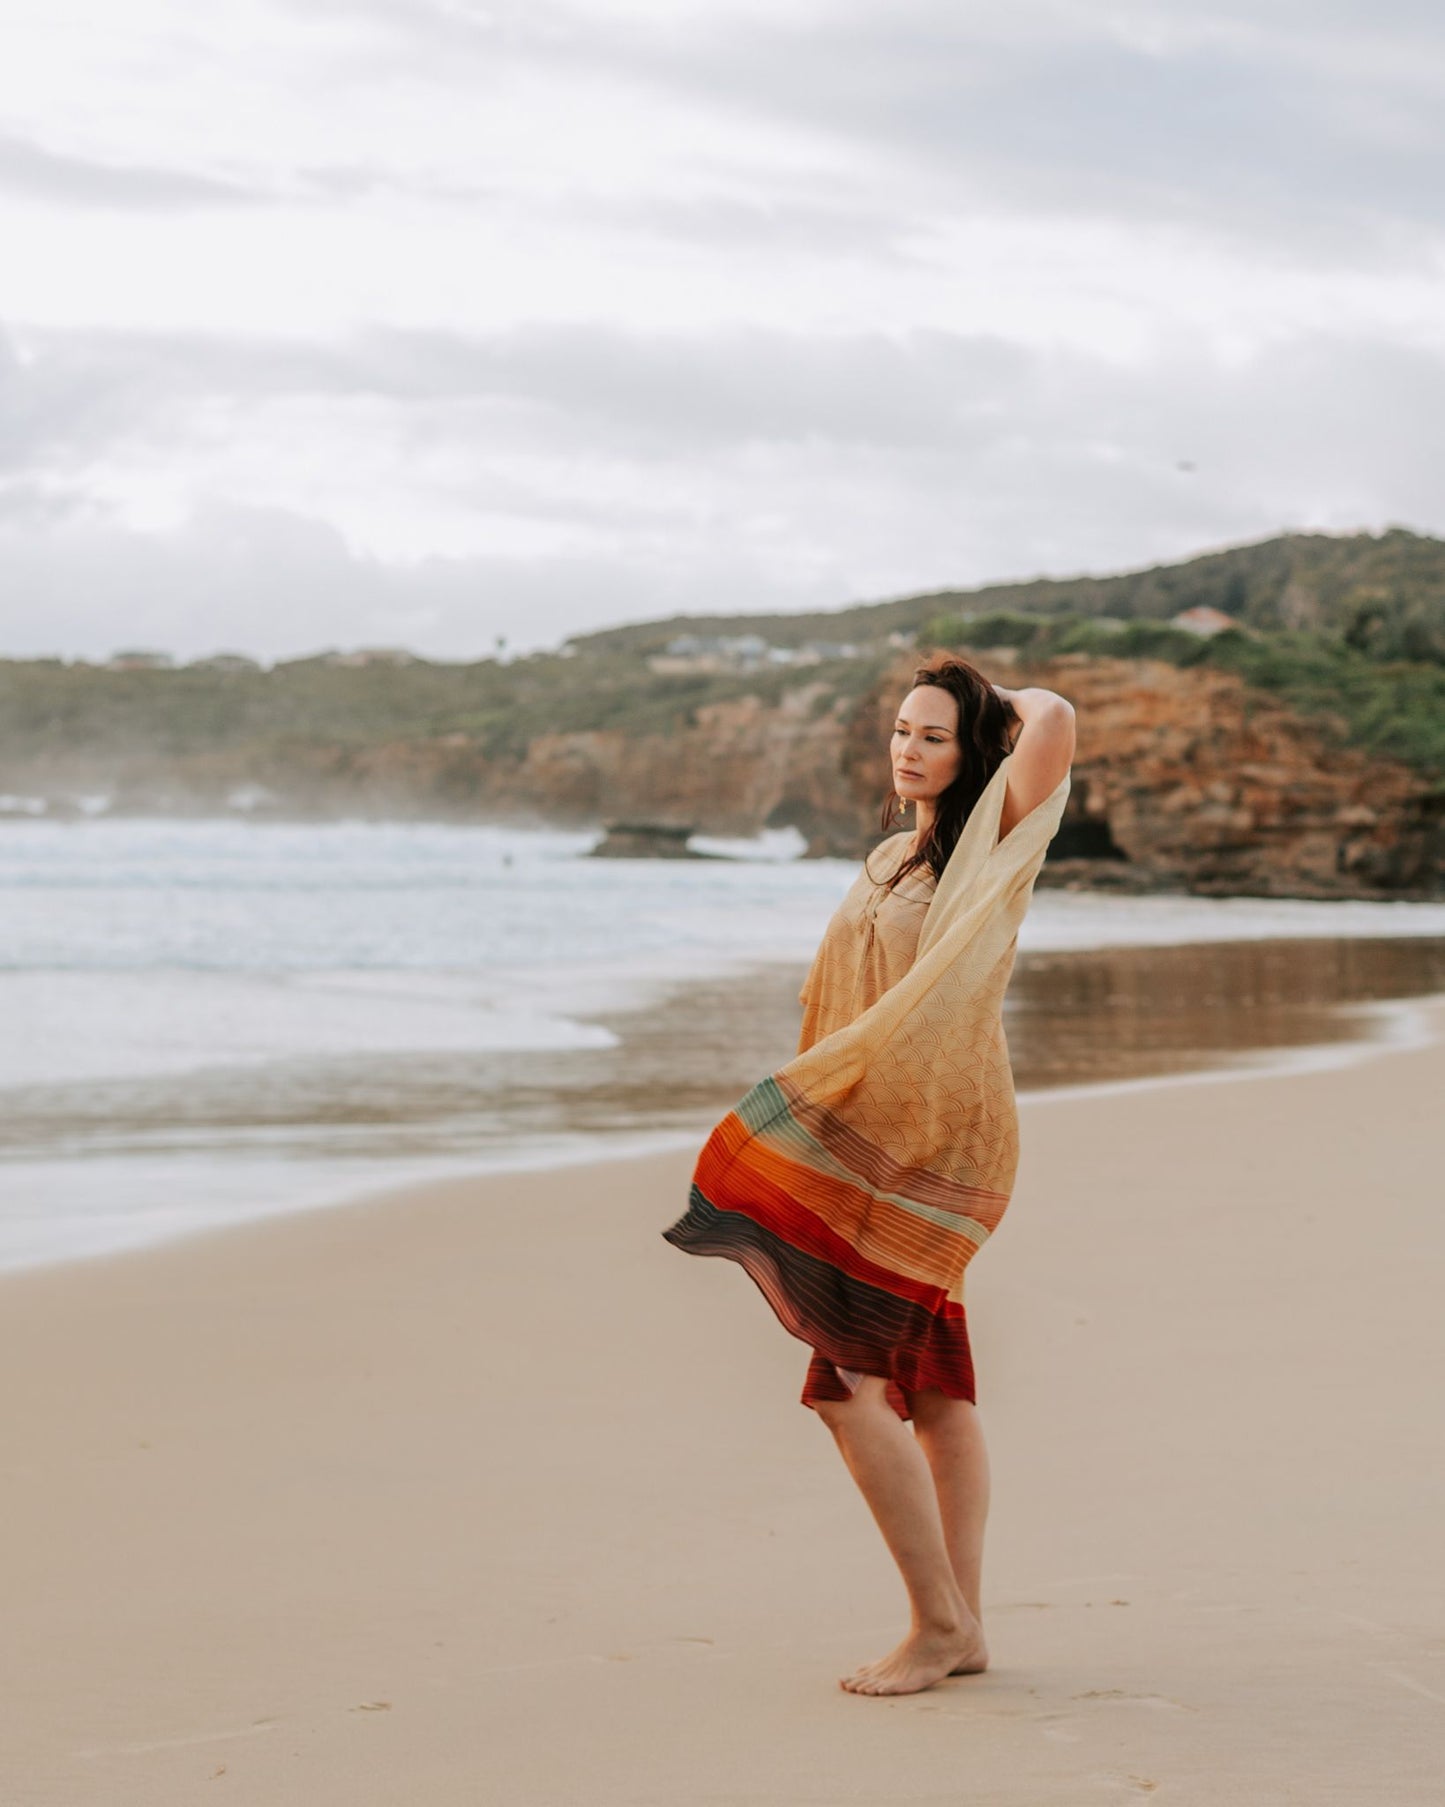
<point>856,1183</point>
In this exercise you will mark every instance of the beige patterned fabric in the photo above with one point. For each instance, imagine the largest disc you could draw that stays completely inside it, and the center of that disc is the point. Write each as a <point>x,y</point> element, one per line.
<point>869,945</point>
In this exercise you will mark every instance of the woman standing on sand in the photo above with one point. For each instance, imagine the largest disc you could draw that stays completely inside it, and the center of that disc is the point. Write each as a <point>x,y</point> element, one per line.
<point>855,1184</point>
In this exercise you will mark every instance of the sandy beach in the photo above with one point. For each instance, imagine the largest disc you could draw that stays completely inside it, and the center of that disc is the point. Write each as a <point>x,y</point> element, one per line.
<point>484,1494</point>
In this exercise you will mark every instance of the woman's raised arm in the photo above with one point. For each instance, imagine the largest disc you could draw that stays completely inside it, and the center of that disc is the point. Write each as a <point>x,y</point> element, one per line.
<point>1043,751</point>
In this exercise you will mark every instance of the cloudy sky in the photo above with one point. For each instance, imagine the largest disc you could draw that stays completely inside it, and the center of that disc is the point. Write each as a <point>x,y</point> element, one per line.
<point>424,322</point>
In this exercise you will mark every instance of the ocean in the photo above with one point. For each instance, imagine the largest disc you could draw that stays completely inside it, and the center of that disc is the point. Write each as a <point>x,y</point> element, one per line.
<point>204,1021</point>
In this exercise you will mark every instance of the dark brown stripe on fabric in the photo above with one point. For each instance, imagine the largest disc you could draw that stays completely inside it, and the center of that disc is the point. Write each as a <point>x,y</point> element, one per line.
<point>853,1324</point>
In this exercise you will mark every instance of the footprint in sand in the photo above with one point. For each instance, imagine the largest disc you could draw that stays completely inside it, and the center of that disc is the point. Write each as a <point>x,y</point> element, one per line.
<point>631,1656</point>
<point>1142,1700</point>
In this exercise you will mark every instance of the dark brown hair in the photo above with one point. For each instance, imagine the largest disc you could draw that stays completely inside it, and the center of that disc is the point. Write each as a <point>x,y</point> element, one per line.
<point>986,731</point>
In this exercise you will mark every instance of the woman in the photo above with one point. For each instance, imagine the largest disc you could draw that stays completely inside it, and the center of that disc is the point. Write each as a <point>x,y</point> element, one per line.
<point>855,1184</point>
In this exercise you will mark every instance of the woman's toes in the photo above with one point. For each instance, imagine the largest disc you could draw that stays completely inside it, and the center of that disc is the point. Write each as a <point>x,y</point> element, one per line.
<point>862,1679</point>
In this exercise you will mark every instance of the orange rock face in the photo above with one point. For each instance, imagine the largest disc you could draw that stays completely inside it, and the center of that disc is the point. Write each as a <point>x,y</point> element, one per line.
<point>1184,779</point>
<point>1192,779</point>
<point>740,766</point>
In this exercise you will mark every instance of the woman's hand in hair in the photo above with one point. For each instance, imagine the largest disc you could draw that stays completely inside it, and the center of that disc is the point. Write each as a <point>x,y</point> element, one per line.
<point>1043,751</point>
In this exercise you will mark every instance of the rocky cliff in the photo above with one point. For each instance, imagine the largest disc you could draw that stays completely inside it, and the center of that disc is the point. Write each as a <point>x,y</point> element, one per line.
<point>1185,778</point>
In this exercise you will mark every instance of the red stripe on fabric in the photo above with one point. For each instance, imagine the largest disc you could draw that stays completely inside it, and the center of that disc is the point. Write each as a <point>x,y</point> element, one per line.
<point>823,1382</point>
<point>756,1182</point>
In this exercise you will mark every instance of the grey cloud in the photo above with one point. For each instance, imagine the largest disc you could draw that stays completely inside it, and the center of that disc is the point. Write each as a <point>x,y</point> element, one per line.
<point>1302,133</point>
<point>651,395</point>
<point>29,505</point>
<point>360,181</point>
<point>29,168</point>
<point>1235,140</point>
<point>792,481</point>
<point>67,400</point>
<point>665,397</point>
<point>1307,133</point>
<point>451,38</point>
<point>63,179</point>
<point>612,394</point>
<point>283,585</point>
<point>781,225</point>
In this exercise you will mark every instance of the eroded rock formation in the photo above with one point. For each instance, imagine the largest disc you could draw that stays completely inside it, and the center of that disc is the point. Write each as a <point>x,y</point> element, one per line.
<point>1187,778</point>
<point>1184,779</point>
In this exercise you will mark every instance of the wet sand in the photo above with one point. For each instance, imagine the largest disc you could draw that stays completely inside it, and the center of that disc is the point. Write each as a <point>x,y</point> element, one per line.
<point>1131,1013</point>
<point>1073,1018</point>
<point>483,1494</point>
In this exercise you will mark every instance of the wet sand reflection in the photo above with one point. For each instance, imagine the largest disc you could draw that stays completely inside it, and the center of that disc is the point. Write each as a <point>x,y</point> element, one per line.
<point>1126,1013</point>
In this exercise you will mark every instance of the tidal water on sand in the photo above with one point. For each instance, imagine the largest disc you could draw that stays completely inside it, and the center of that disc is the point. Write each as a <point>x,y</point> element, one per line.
<point>207,1021</point>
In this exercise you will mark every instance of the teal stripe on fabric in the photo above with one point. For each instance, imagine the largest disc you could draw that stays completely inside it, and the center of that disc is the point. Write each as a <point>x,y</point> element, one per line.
<point>766,1101</point>
<point>789,1137</point>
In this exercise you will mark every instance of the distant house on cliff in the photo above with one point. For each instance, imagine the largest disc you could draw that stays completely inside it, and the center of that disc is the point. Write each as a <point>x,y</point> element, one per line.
<point>1205,621</point>
<point>814,652</point>
<point>372,655</point>
<point>139,661</point>
<point>711,652</point>
<point>225,662</point>
<point>743,652</point>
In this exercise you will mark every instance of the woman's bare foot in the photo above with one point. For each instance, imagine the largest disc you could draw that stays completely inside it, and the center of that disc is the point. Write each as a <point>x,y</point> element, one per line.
<point>924,1657</point>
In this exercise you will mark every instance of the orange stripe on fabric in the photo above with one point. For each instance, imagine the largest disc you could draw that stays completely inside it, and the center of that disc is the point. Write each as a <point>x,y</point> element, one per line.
<point>798,1204</point>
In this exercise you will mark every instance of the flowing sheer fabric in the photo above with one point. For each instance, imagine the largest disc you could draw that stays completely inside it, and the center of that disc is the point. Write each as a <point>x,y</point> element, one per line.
<point>855,1184</point>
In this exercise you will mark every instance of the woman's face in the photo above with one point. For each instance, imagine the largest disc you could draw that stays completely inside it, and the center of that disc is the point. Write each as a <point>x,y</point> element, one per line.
<point>925,747</point>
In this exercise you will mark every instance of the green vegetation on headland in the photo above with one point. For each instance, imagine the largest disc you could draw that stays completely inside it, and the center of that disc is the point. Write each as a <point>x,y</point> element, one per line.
<point>1391,706</point>
<point>48,709</point>
<point>1382,593</point>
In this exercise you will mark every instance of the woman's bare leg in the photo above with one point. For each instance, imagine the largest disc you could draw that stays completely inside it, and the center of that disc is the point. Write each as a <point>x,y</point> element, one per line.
<point>951,1436</point>
<point>894,1477</point>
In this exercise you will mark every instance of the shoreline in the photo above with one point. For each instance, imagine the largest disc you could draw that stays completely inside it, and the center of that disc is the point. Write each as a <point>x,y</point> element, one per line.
<point>755,1014</point>
<point>1411,1025</point>
<point>477,1492</point>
